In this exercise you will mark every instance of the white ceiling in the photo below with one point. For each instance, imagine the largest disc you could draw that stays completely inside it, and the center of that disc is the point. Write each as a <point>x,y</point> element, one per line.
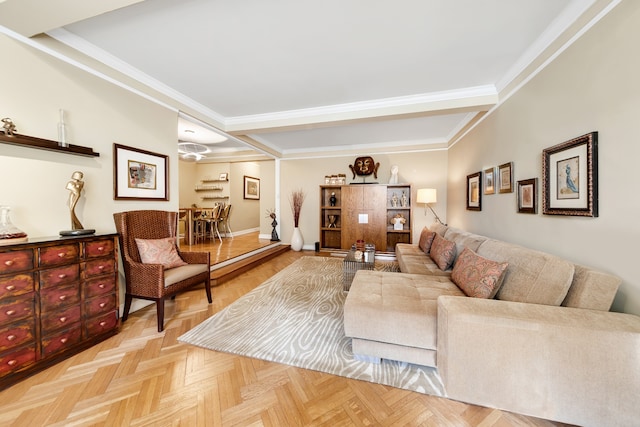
<point>301,78</point>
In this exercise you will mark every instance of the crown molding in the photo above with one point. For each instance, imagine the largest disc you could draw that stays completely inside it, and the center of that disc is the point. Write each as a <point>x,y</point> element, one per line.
<point>479,98</point>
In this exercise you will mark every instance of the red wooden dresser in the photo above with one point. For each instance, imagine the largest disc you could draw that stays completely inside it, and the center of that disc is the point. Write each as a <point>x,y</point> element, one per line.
<point>58,296</point>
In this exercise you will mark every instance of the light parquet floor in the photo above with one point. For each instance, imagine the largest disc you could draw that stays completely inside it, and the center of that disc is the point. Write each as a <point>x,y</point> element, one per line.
<point>144,378</point>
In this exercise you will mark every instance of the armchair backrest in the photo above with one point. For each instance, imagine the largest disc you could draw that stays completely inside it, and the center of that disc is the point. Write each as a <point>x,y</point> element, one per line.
<point>143,224</point>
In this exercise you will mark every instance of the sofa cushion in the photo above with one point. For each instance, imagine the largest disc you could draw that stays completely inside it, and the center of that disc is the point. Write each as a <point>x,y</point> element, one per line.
<point>532,276</point>
<point>413,260</point>
<point>477,276</point>
<point>395,308</point>
<point>464,239</point>
<point>159,251</point>
<point>443,252</point>
<point>426,239</point>
<point>592,289</point>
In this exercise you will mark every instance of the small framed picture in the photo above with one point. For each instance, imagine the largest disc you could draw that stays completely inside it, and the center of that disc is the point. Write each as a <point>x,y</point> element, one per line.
<point>528,196</point>
<point>139,174</point>
<point>224,176</point>
<point>251,188</point>
<point>505,173</point>
<point>570,183</point>
<point>490,181</point>
<point>474,195</point>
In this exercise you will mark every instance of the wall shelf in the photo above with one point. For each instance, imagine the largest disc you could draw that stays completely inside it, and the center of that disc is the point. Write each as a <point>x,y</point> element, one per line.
<point>46,144</point>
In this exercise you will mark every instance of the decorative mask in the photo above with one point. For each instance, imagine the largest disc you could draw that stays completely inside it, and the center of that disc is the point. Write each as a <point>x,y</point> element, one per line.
<point>364,166</point>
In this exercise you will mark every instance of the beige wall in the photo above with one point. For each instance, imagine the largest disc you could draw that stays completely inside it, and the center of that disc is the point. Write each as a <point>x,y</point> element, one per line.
<point>593,86</point>
<point>35,86</point>
<point>246,214</point>
<point>424,169</point>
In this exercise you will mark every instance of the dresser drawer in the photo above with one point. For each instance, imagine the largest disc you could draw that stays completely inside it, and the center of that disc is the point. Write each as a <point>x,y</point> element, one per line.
<point>59,276</point>
<point>58,255</point>
<point>100,286</point>
<point>101,324</point>
<point>16,334</point>
<point>99,266</point>
<point>61,319</point>
<point>17,359</point>
<point>61,340</point>
<point>12,309</point>
<point>55,298</point>
<point>99,305</point>
<point>11,286</point>
<point>98,248</point>
<point>14,261</point>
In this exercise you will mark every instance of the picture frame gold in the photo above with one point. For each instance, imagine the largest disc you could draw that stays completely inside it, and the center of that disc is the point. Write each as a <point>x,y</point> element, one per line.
<point>490,181</point>
<point>505,178</point>
<point>570,177</point>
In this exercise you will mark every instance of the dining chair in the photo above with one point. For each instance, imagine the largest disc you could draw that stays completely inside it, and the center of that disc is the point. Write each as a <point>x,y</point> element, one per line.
<point>154,267</point>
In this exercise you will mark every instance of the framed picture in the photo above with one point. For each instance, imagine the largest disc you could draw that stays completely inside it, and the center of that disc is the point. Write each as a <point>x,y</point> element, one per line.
<point>251,188</point>
<point>139,174</point>
<point>528,196</point>
<point>224,176</point>
<point>490,181</point>
<point>570,185</point>
<point>505,173</point>
<point>474,196</point>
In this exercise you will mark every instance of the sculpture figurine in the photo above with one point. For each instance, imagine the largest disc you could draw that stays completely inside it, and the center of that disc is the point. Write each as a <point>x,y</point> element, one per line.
<point>394,175</point>
<point>8,127</point>
<point>274,223</point>
<point>332,199</point>
<point>364,166</point>
<point>75,186</point>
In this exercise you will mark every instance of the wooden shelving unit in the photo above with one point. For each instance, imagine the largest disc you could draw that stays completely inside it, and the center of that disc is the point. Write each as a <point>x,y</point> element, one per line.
<point>377,202</point>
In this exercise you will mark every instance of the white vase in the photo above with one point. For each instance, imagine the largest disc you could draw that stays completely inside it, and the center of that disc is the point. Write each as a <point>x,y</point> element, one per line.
<point>296,240</point>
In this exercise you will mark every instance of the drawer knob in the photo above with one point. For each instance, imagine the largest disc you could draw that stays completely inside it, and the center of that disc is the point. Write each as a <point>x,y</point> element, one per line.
<point>61,255</point>
<point>102,304</point>
<point>101,286</point>
<point>8,263</point>
<point>62,297</point>
<point>10,288</point>
<point>63,319</point>
<point>12,362</point>
<point>62,276</point>
<point>64,340</point>
<point>103,323</point>
<point>11,337</point>
<point>11,312</point>
<point>101,267</point>
<point>101,248</point>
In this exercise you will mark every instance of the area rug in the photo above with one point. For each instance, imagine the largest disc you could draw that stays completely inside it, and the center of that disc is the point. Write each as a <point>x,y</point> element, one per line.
<point>295,318</point>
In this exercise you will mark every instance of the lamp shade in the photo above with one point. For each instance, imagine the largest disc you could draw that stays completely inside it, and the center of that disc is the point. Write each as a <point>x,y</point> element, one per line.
<point>427,195</point>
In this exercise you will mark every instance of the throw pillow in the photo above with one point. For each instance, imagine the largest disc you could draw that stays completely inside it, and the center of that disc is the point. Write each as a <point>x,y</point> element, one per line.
<point>477,276</point>
<point>159,251</point>
<point>443,252</point>
<point>426,239</point>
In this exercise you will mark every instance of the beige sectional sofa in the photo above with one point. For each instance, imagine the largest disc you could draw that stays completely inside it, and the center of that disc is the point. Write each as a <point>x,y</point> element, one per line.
<point>546,345</point>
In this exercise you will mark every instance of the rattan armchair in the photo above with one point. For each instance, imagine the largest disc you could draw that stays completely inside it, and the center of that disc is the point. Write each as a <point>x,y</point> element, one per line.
<point>152,281</point>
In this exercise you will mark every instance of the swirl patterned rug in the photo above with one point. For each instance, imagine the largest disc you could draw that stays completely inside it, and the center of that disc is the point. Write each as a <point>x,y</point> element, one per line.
<point>295,318</point>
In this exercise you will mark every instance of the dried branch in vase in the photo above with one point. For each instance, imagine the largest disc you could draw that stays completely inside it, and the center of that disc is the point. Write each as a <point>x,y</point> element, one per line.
<point>296,199</point>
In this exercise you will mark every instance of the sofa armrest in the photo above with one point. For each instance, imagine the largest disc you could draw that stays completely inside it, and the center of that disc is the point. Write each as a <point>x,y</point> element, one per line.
<point>566,364</point>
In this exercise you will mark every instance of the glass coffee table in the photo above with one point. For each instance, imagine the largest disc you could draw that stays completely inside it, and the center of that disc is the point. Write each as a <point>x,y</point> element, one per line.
<point>351,264</point>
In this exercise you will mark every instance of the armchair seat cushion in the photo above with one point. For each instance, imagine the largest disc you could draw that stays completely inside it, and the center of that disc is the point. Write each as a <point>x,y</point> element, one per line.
<point>178,274</point>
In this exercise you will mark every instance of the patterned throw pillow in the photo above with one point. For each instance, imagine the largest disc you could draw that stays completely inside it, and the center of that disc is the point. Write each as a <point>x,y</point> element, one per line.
<point>159,251</point>
<point>477,276</point>
<point>426,239</point>
<point>443,252</point>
